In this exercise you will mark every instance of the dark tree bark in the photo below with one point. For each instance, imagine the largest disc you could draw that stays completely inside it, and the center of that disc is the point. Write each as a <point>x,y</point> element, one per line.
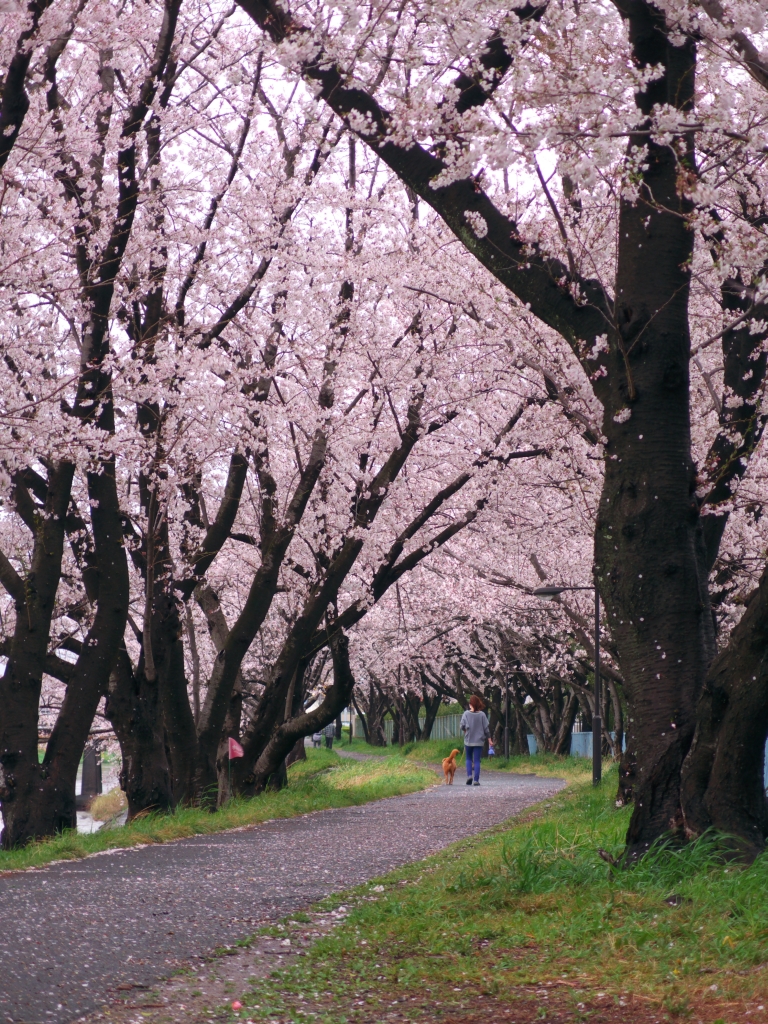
<point>133,708</point>
<point>616,742</point>
<point>89,679</point>
<point>519,731</point>
<point>658,606</point>
<point>363,720</point>
<point>303,639</point>
<point>336,699</point>
<point>14,101</point>
<point>45,801</point>
<point>34,598</point>
<point>297,752</point>
<point>227,665</point>
<point>432,702</point>
<point>372,715</point>
<point>723,776</point>
<point>409,706</point>
<point>47,805</point>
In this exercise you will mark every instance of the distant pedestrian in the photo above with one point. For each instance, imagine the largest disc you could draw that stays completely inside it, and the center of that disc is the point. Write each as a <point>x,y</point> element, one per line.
<point>317,739</point>
<point>491,749</point>
<point>329,732</point>
<point>474,725</point>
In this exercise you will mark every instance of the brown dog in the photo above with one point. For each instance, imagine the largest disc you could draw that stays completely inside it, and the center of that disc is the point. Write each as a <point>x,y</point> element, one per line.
<point>449,767</point>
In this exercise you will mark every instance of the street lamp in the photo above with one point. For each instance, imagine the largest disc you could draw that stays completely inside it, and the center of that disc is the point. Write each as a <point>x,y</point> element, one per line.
<point>506,716</point>
<point>549,594</point>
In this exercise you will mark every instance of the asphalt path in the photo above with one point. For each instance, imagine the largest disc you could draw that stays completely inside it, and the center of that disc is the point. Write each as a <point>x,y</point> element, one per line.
<point>74,932</point>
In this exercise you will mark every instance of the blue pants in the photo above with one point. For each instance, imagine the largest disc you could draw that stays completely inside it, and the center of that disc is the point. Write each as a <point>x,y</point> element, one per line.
<point>473,754</point>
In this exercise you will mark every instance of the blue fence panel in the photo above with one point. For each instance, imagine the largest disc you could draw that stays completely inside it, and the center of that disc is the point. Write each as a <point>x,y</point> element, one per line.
<point>581,744</point>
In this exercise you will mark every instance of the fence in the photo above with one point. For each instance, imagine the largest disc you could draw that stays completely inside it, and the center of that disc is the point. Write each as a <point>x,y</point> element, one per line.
<point>446,727</point>
<point>581,744</point>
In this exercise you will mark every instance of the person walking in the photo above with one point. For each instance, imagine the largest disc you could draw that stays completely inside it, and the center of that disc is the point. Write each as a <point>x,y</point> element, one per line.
<point>329,732</point>
<point>474,725</point>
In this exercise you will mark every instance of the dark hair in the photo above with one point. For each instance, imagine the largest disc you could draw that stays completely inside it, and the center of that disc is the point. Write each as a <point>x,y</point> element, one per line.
<point>476,703</point>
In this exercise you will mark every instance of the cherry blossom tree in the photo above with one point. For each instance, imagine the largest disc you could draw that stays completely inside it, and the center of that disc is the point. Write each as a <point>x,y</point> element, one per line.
<point>631,134</point>
<point>252,378</point>
<point>283,411</point>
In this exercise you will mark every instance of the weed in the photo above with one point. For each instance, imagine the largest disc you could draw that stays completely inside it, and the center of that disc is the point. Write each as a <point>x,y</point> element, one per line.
<point>107,806</point>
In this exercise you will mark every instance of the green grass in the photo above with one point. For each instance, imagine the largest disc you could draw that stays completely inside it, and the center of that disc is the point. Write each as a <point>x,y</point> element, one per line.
<point>322,781</point>
<point>433,751</point>
<point>533,904</point>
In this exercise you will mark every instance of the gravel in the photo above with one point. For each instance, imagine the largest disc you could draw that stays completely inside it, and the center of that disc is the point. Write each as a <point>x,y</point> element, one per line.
<point>72,933</point>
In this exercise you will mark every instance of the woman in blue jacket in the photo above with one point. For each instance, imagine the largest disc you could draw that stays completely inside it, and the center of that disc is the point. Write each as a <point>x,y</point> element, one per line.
<point>474,725</point>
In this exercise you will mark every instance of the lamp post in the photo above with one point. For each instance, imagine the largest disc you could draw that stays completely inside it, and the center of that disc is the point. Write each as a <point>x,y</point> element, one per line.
<point>506,719</point>
<point>549,594</point>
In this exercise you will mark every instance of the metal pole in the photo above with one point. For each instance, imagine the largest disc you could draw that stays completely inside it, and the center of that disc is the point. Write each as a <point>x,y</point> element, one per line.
<point>506,722</point>
<point>597,721</point>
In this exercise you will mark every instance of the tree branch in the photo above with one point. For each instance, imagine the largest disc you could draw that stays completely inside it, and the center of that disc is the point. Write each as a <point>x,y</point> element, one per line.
<point>544,283</point>
<point>15,101</point>
<point>12,582</point>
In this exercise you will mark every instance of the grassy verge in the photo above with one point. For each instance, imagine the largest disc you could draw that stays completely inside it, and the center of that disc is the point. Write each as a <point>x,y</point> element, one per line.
<point>322,781</point>
<point>433,751</point>
<point>534,905</point>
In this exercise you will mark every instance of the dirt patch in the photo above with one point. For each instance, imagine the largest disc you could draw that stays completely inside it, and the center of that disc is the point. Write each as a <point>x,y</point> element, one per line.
<point>206,988</point>
<point>556,1007</point>
<point>552,1003</point>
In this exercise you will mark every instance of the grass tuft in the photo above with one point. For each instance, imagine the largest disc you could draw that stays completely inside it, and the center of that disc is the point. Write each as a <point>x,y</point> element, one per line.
<point>108,805</point>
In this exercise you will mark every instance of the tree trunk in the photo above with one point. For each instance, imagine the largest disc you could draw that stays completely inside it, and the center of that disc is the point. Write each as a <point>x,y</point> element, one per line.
<point>165,629</point>
<point>647,537</point>
<point>617,743</point>
<point>45,802</point>
<point>519,732</point>
<point>21,776</point>
<point>284,737</point>
<point>627,772</point>
<point>364,722</point>
<point>278,779</point>
<point>229,660</point>
<point>377,709</point>
<point>561,743</point>
<point>431,706</point>
<point>298,752</point>
<point>178,720</point>
<point>411,706</point>
<point>90,677</point>
<point>133,709</point>
<point>723,776</point>
<point>231,728</point>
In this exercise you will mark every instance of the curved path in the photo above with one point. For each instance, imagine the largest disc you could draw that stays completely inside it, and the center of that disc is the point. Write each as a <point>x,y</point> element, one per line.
<point>72,932</point>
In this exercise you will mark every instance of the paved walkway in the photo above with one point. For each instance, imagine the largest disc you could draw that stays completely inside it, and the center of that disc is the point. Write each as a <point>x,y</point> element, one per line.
<point>73,932</point>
